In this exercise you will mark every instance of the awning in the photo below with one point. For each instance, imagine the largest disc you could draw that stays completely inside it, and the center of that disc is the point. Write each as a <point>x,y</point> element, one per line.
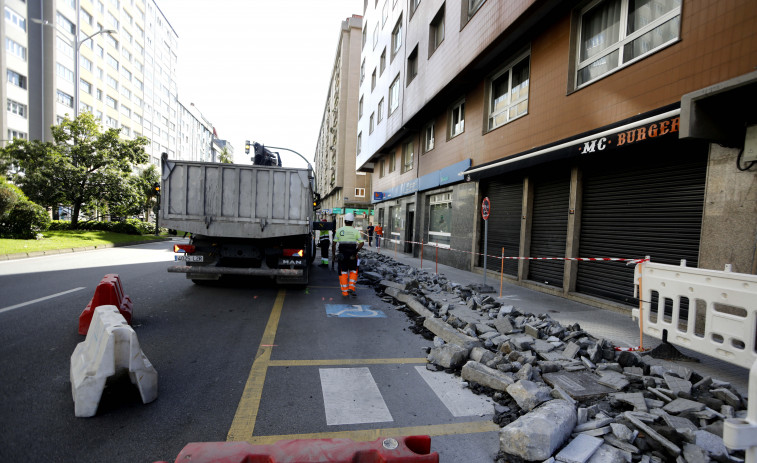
<point>663,122</point>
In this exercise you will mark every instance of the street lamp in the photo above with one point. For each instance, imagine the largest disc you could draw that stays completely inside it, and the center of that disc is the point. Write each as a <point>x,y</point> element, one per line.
<point>77,43</point>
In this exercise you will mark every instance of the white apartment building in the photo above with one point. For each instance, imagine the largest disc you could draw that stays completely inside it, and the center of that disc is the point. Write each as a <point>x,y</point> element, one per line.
<point>127,53</point>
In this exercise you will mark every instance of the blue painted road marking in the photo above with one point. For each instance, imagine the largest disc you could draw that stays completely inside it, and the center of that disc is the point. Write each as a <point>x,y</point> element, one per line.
<point>353,311</point>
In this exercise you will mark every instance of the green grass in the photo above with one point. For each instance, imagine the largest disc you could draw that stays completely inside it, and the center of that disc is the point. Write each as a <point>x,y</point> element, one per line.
<point>69,239</point>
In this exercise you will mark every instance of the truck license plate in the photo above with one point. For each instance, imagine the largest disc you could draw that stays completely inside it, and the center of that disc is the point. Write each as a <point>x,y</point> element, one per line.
<point>189,258</point>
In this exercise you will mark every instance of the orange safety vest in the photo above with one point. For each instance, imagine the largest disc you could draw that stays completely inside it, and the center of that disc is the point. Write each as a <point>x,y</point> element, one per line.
<point>378,230</point>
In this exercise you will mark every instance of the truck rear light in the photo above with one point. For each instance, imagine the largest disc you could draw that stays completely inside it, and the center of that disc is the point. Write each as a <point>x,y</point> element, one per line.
<point>294,252</point>
<point>188,248</point>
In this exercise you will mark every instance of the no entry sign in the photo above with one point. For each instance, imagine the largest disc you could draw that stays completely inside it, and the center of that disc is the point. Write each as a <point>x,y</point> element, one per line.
<point>485,208</point>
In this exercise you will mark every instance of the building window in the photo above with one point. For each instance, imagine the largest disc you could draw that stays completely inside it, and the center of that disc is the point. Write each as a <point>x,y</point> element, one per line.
<point>110,122</point>
<point>385,13</point>
<point>65,24</point>
<point>414,5</point>
<point>412,65</point>
<point>439,220</point>
<point>397,37</point>
<point>64,47</point>
<point>111,102</point>
<point>359,143</point>
<point>365,37</point>
<point>436,31</point>
<point>15,48</point>
<point>391,161</point>
<point>85,108</point>
<point>373,80</point>
<point>85,63</point>
<point>65,99</point>
<point>112,41</point>
<point>509,94</point>
<point>14,18</point>
<point>112,82</point>
<point>382,168</point>
<point>85,17</point>
<point>64,72</point>
<point>457,119</point>
<point>375,35</point>
<point>360,108</point>
<point>394,95</point>
<point>362,71</point>
<point>371,123</point>
<point>360,192</point>
<point>16,134</point>
<point>16,79</point>
<point>112,61</point>
<point>428,138</point>
<point>473,6</point>
<point>14,107</point>
<point>382,62</point>
<point>380,111</point>
<point>615,33</point>
<point>407,156</point>
<point>85,86</point>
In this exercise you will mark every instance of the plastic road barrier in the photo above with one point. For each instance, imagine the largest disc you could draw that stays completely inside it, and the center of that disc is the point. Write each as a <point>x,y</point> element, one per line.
<point>708,311</point>
<point>383,450</point>
<point>111,345</point>
<point>109,291</point>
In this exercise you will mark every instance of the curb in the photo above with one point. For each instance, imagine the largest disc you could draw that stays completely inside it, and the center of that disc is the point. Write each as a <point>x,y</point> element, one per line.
<point>51,252</point>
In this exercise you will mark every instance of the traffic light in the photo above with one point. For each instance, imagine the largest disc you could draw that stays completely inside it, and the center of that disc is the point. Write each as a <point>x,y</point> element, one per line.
<point>316,201</point>
<point>156,187</point>
<point>247,147</point>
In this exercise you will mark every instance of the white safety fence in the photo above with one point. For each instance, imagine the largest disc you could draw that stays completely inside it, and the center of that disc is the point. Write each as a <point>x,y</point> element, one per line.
<point>707,311</point>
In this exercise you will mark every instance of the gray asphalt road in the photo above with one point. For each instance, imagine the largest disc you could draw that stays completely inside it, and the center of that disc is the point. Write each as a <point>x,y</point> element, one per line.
<point>242,360</point>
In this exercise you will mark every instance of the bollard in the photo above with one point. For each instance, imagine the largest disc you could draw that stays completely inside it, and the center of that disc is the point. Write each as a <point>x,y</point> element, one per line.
<point>421,253</point>
<point>436,260</point>
<point>501,271</point>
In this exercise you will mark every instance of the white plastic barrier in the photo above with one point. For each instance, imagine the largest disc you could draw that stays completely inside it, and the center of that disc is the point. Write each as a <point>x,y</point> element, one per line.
<point>711,312</point>
<point>708,311</point>
<point>111,345</point>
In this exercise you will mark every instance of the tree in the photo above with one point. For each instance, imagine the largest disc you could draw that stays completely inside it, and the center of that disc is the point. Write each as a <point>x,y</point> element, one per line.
<point>225,156</point>
<point>81,165</point>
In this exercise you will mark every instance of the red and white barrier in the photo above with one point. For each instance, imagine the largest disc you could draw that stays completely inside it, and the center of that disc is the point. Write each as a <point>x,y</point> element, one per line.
<point>109,291</point>
<point>387,450</point>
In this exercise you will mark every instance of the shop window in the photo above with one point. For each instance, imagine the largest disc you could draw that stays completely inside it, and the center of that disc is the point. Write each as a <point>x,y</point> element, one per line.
<point>440,217</point>
<point>508,92</point>
<point>615,33</point>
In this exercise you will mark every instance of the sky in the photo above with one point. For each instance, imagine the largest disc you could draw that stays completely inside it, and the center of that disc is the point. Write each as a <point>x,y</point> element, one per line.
<point>259,70</point>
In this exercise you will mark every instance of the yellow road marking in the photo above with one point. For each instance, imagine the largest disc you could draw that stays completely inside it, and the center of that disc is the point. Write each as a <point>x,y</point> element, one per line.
<point>368,435</point>
<point>247,411</point>
<point>312,363</point>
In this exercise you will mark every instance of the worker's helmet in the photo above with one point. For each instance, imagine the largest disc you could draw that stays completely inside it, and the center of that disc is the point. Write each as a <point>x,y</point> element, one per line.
<point>349,217</point>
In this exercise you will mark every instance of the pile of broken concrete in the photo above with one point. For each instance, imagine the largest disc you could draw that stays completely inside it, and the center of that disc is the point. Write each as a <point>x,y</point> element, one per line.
<point>561,393</point>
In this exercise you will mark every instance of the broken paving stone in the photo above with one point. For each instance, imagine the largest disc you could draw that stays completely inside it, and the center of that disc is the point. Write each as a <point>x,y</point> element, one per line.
<point>608,454</point>
<point>614,380</point>
<point>595,424</point>
<point>448,356</point>
<point>621,431</point>
<point>676,384</point>
<point>635,399</point>
<point>679,406</point>
<point>727,396</point>
<point>528,395</point>
<point>571,350</point>
<point>669,446</point>
<point>634,372</point>
<point>579,385</point>
<point>621,444</point>
<point>536,435</point>
<point>489,377</point>
<point>580,449</point>
<point>711,443</point>
<point>599,432</point>
<point>694,454</point>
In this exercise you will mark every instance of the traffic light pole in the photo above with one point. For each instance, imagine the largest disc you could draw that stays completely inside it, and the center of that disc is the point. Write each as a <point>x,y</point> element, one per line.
<point>156,186</point>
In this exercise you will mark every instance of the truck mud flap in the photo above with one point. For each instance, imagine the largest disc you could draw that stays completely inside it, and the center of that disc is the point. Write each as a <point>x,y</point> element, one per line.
<point>209,270</point>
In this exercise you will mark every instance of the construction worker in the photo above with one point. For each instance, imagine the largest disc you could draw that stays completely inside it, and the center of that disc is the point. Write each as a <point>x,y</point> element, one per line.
<point>350,243</point>
<point>379,230</point>
<point>323,243</point>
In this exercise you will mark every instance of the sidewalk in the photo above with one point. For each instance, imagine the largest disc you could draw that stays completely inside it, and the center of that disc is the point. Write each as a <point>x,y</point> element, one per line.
<point>616,327</point>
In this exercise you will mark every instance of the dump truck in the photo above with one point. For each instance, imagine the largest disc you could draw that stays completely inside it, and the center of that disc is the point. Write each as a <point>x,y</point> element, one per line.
<point>252,220</point>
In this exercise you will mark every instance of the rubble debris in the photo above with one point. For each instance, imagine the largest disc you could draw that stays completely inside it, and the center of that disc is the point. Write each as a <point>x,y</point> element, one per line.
<point>560,393</point>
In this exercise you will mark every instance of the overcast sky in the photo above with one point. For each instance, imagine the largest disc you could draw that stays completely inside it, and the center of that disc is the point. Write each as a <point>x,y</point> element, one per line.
<point>259,69</point>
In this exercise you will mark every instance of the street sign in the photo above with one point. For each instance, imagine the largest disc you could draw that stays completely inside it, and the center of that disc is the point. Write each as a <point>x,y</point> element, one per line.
<point>486,208</point>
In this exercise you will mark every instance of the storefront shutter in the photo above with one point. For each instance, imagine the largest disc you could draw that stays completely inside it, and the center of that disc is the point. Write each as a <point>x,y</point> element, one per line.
<point>506,198</point>
<point>650,205</point>
<point>549,226</point>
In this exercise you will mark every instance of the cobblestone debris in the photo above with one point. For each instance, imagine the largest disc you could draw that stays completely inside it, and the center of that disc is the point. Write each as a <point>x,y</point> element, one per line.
<point>643,410</point>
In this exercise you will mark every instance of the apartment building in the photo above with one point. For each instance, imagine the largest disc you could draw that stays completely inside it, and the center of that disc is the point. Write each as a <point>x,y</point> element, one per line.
<point>601,128</point>
<point>342,189</point>
<point>113,58</point>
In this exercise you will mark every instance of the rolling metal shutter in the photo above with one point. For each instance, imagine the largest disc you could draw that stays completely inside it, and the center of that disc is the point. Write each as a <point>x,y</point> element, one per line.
<point>504,224</point>
<point>549,226</point>
<point>651,205</point>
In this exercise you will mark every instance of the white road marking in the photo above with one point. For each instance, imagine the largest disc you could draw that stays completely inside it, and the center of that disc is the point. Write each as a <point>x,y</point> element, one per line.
<point>459,400</point>
<point>6,309</point>
<point>351,396</point>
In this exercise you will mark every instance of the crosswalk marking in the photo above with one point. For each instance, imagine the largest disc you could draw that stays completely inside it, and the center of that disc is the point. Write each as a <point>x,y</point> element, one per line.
<point>351,396</point>
<point>459,400</point>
